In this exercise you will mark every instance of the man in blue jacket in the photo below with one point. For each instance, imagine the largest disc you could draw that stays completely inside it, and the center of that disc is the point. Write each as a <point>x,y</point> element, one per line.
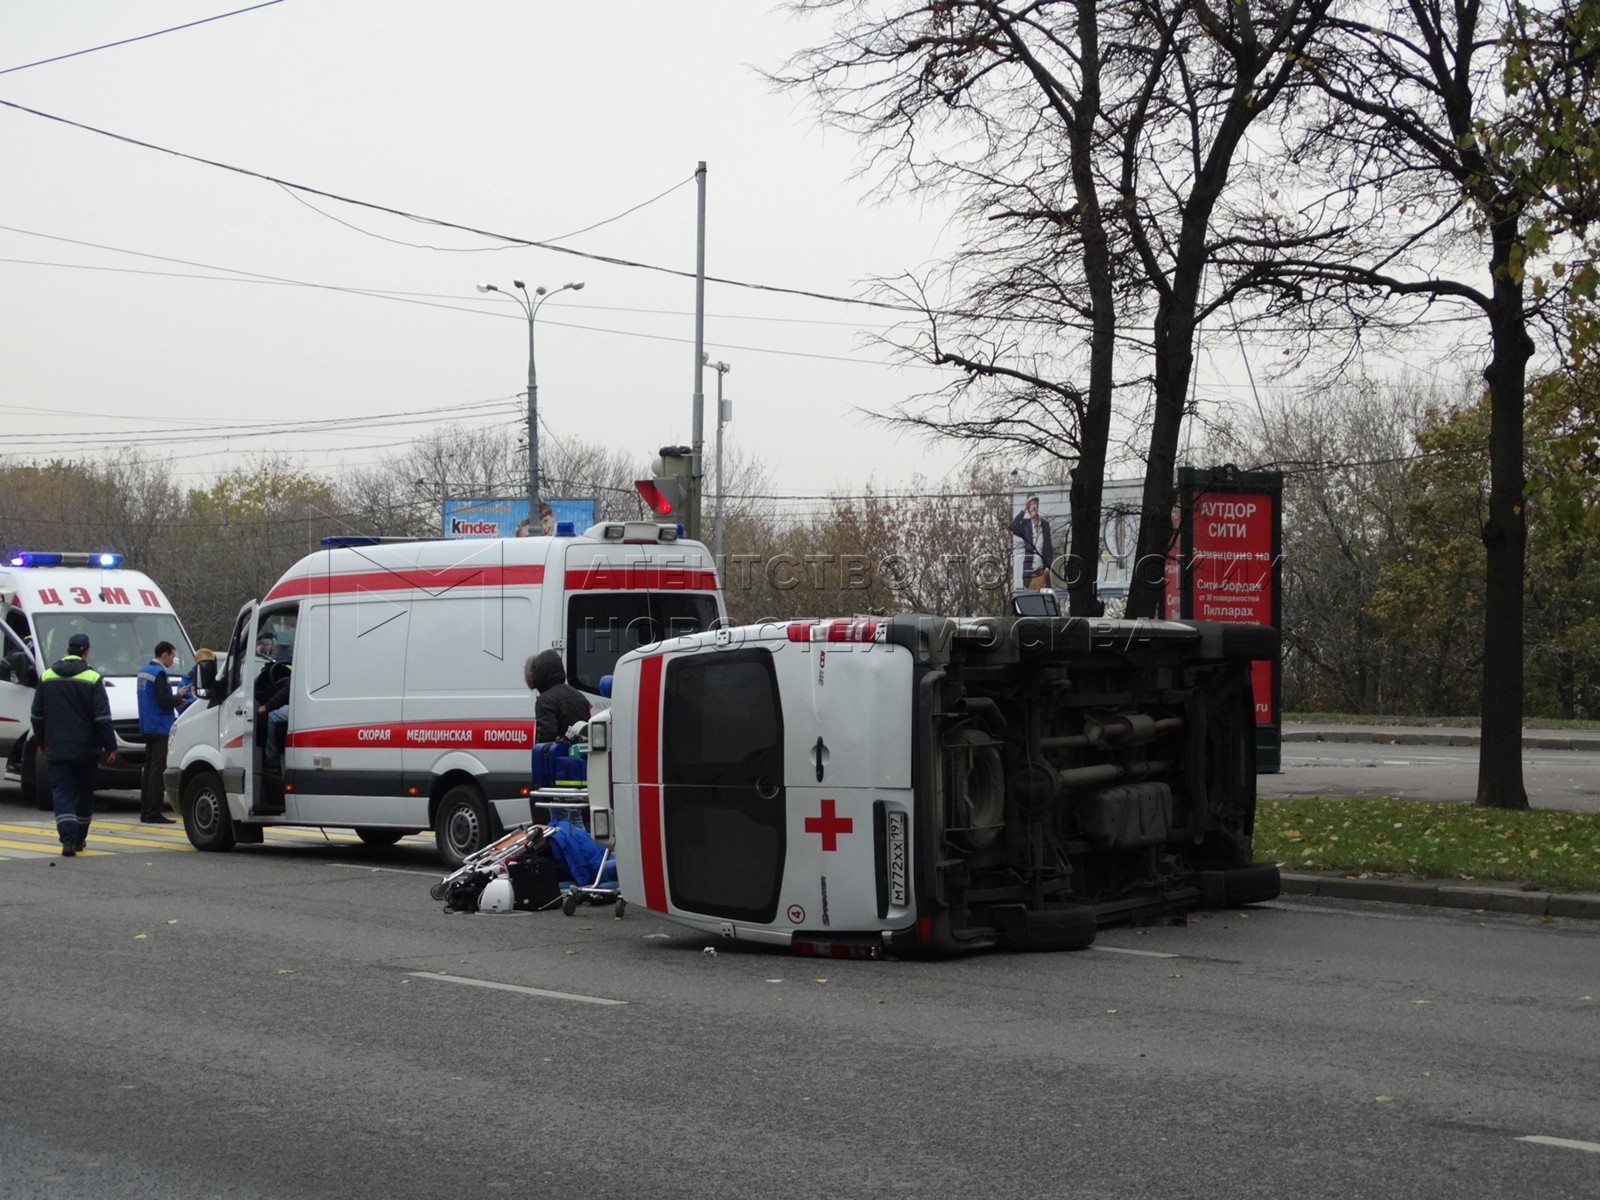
<point>71,727</point>
<point>158,709</point>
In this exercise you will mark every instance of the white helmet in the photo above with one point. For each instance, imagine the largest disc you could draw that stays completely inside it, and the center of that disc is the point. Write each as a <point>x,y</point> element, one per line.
<point>497,896</point>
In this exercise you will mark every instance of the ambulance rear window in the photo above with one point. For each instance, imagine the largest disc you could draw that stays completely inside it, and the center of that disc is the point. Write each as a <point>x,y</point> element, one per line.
<point>603,626</point>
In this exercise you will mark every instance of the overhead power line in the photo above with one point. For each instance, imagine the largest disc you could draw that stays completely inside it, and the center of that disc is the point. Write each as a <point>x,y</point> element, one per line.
<point>140,38</point>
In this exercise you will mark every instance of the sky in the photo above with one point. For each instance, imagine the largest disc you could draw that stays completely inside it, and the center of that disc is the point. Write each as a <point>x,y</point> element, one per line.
<point>211,317</point>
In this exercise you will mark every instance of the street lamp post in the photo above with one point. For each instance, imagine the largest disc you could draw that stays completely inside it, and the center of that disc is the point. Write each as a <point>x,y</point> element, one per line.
<point>723,415</point>
<point>530,306</point>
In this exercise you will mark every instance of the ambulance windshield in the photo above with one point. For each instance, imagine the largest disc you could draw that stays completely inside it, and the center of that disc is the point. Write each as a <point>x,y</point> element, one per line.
<point>119,643</point>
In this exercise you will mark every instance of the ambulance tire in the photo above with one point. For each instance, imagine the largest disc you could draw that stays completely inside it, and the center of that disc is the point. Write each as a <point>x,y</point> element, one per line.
<point>381,837</point>
<point>1238,886</point>
<point>206,818</point>
<point>35,776</point>
<point>1071,927</point>
<point>464,825</point>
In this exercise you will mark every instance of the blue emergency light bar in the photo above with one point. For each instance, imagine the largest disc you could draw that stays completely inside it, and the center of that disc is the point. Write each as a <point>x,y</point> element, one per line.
<point>350,540</point>
<point>53,558</point>
<point>566,529</point>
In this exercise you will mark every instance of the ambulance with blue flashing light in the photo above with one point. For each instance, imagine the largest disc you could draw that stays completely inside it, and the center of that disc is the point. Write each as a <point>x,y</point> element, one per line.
<point>402,662</point>
<point>45,598</point>
<point>931,785</point>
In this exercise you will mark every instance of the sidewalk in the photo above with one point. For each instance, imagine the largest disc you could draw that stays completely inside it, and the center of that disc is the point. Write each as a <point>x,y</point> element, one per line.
<point>1499,897</point>
<point>1437,735</point>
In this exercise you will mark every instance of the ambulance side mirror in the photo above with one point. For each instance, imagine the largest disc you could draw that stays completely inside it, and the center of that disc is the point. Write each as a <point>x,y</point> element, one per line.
<point>205,678</point>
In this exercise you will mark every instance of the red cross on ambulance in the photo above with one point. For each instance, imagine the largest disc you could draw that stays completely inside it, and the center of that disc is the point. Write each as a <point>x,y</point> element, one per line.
<point>830,825</point>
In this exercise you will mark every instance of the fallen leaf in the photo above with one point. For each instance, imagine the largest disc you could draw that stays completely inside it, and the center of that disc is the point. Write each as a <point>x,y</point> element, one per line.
<point>1422,1002</point>
<point>774,981</point>
<point>819,981</point>
<point>138,937</point>
<point>1384,1099</point>
<point>172,922</point>
<point>1111,1010</point>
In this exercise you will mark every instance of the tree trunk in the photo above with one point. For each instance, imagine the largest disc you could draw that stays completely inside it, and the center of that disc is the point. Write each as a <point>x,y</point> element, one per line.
<point>1505,535</point>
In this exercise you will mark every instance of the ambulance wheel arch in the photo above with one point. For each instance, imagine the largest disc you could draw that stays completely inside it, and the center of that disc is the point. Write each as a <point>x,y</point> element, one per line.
<point>463,822</point>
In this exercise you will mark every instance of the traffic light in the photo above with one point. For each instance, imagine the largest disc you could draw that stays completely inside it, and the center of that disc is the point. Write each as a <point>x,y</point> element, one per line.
<point>670,494</point>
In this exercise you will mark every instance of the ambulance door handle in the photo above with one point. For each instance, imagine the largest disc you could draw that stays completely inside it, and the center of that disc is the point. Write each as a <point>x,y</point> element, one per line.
<point>819,755</point>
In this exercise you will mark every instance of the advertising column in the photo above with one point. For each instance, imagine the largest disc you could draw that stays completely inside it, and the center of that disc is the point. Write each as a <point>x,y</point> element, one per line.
<point>1231,542</point>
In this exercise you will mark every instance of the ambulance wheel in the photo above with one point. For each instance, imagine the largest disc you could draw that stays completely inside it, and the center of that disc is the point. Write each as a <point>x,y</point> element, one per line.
<point>622,908</point>
<point>1234,888</point>
<point>463,826</point>
<point>569,904</point>
<point>206,818</point>
<point>35,777</point>
<point>380,837</point>
<point>1070,927</point>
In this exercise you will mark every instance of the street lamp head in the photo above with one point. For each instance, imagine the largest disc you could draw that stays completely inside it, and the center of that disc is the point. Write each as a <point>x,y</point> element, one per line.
<point>576,286</point>
<point>487,287</point>
<point>517,283</point>
<point>538,291</point>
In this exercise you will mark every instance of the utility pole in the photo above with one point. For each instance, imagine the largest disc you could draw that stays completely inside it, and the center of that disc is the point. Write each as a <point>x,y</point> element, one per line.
<point>695,468</point>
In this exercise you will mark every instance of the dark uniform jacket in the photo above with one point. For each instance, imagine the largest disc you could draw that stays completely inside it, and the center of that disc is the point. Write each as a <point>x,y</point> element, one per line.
<point>560,705</point>
<point>71,714</point>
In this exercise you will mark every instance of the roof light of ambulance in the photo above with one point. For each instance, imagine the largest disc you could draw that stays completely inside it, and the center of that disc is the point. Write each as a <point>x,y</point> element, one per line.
<point>108,560</point>
<point>858,630</point>
<point>566,529</point>
<point>349,540</point>
<point>800,631</point>
<point>669,533</point>
<point>605,686</point>
<point>35,558</point>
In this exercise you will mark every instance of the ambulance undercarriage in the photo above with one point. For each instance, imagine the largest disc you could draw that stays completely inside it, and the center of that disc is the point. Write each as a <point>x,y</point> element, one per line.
<point>946,784</point>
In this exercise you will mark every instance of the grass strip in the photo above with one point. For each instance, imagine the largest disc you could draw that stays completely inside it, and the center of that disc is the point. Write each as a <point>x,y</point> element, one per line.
<point>1554,850</point>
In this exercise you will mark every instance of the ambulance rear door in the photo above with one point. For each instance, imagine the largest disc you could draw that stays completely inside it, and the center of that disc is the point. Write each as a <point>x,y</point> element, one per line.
<point>236,738</point>
<point>847,755</point>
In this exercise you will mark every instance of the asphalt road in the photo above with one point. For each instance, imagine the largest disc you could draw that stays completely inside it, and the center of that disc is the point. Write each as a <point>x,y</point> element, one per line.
<point>1554,778</point>
<point>301,1020</point>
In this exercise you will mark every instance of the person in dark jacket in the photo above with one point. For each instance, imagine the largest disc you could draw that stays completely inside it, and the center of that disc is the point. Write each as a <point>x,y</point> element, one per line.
<point>158,709</point>
<point>560,705</point>
<point>72,727</point>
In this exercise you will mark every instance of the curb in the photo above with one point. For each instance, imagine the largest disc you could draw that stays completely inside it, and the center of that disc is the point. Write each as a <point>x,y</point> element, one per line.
<point>1584,906</point>
<point>1386,737</point>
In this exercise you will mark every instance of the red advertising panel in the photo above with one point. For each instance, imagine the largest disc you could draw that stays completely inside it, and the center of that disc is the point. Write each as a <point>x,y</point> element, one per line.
<point>1231,570</point>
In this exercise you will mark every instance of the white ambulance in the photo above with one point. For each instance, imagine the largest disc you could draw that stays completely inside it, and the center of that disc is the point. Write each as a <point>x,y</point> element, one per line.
<point>407,708</point>
<point>45,598</point>
<point>930,784</point>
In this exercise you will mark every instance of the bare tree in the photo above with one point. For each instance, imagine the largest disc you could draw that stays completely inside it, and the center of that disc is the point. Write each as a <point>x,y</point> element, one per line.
<point>1089,146</point>
<point>1432,163</point>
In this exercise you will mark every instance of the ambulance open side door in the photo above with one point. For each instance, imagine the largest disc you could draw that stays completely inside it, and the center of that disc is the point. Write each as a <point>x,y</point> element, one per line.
<point>236,726</point>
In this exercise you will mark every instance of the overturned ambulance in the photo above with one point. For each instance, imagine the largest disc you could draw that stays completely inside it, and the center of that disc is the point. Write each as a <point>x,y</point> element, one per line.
<point>933,785</point>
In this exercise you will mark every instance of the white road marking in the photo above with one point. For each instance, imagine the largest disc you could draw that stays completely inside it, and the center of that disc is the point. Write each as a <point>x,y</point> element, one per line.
<point>1564,1143</point>
<point>371,870</point>
<point>1140,953</point>
<point>511,987</point>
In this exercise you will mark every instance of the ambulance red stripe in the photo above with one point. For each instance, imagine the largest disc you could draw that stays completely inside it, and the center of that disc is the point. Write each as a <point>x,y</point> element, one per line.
<point>629,578</point>
<point>411,579</point>
<point>419,735</point>
<point>650,863</point>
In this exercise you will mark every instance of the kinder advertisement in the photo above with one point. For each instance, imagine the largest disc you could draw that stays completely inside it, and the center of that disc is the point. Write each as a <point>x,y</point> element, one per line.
<point>509,518</point>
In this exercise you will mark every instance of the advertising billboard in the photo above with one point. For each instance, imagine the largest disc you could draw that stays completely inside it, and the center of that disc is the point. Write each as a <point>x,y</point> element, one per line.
<point>502,518</point>
<point>1228,568</point>
<point>1119,534</point>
